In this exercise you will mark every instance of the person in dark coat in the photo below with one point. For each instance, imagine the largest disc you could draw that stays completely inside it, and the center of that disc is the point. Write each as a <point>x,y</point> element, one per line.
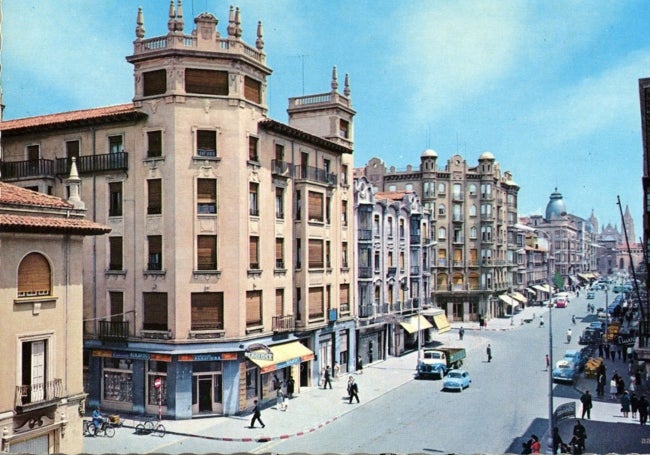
<point>488,351</point>
<point>291,384</point>
<point>620,386</point>
<point>353,389</point>
<point>557,439</point>
<point>634,404</point>
<point>586,401</point>
<point>625,404</point>
<point>257,415</point>
<point>327,378</point>
<point>643,410</point>
<point>579,436</point>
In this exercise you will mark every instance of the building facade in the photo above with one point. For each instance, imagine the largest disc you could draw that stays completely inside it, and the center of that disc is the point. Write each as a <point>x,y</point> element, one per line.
<point>474,213</point>
<point>229,258</point>
<point>41,387</point>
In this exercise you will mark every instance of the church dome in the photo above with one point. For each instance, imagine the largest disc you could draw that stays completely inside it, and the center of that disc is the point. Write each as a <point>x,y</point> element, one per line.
<point>428,153</point>
<point>555,207</point>
<point>486,156</point>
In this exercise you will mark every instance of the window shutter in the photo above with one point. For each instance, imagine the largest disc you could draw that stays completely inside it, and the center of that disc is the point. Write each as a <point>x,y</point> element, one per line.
<point>279,301</point>
<point>154,190</point>
<point>315,253</point>
<point>206,257</point>
<point>252,90</point>
<point>253,307</point>
<point>155,311</point>
<point>344,294</point>
<point>155,82</point>
<point>315,302</point>
<point>206,82</point>
<point>206,190</point>
<point>315,206</point>
<point>253,250</point>
<point>34,276</point>
<point>207,311</point>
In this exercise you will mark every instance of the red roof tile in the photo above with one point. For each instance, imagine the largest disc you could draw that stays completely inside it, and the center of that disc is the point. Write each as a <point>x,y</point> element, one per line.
<point>391,195</point>
<point>15,195</point>
<point>50,225</point>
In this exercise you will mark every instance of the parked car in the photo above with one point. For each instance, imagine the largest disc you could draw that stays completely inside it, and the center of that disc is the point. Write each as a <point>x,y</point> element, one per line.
<point>591,335</point>
<point>565,371</point>
<point>456,379</point>
<point>597,325</point>
<point>591,295</point>
<point>578,357</point>
<point>561,302</point>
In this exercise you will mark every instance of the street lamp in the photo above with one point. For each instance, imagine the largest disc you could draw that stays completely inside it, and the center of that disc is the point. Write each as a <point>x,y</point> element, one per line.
<point>549,442</point>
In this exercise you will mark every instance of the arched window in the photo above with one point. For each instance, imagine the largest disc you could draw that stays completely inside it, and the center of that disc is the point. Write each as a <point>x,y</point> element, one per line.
<point>34,276</point>
<point>472,210</point>
<point>442,233</point>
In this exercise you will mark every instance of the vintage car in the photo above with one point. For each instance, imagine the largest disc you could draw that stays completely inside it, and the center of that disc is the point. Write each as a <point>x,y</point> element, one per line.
<point>456,379</point>
<point>591,295</point>
<point>565,371</point>
<point>578,357</point>
<point>591,335</point>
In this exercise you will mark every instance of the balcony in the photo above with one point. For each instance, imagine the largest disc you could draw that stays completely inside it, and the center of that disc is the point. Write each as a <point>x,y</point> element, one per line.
<point>415,269</point>
<point>314,174</point>
<point>366,311</point>
<point>364,234</point>
<point>88,164</point>
<point>415,239</point>
<point>365,272</point>
<point>38,396</point>
<point>458,196</point>
<point>283,323</point>
<point>113,331</point>
<point>281,168</point>
<point>457,217</point>
<point>17,170</point>
<point>392,271</point>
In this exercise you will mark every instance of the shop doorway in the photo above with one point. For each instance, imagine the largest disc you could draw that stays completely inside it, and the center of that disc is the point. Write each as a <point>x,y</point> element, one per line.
<point>207,394</point>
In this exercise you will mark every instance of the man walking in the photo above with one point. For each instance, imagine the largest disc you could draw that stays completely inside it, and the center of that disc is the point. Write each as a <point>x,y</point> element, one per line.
<point>461,332</point>
<point>257,415</point>
<point>488,351</point>
<point>327,378</point>
<point>548,362</point>
<point>585,399</point>
<point>353,390</point>
<point>643,410</point>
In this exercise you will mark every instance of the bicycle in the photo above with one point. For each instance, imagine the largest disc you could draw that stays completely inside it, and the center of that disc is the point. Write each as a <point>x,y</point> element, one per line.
<point>105,428</point>
<point>151,427</point>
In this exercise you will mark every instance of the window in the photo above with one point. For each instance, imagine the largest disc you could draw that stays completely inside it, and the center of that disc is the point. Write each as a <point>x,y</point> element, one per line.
<point>254,252</point>
<point>253,154</point>
<point>252,90</point>
<point>206,82</point>
<point>72,151</point>
<point>298,206</point>
<point>206,196</point>
<point>154,197</point>
<point>315,254</point>
<point>115,199</point>
<point>442,188</point>
<point>279,253</point>
<point>155,83</point>
<point>376,262</point>
<point>401,228</point>
<point>279,302</point>
<point>253,308</point>
<point>34,368</point>
<point>206,252</point>
<point>344,174</point>
<point>253,200</point>
<point>429,189</point>
<point>441,210</point>
<point>344,128</point>
<point>154,243</point>
<point>115,144</point>
<point>206,143</point>
<point>442,233</point>
<point>33,152</point>
<point>316,301</point>
<point>391,227</point>
<point>34,276</point>
<point>279,203</point>
<point>315,206</point>
<point>115,260</point>
<point>279,153</point>
<point>328,210</point>
<point>155,311</point>
<point>298,253</point>
<point>207,311</point>
<point>344,213</point>
<point>344,297</point>
<point>486,190</point>
<point>117,306</point>
<point>472,210</point>
<point>154,143</point>
<point>473,233</point>
<point>409,187</point>
<point>328,254</point>
<point>344,255</point>
<point>471,188</point>
<point>375,224</point>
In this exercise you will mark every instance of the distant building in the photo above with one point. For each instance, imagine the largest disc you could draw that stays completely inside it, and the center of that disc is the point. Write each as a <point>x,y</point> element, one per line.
<point>41,388</point>
<point>229,259</point>
<point>474,213</point>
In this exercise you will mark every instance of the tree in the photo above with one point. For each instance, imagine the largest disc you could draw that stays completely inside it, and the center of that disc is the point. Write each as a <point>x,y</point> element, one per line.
<point>558,281</point>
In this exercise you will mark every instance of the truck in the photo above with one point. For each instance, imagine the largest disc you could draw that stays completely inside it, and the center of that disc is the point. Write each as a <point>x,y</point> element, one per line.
<point>436,362</point>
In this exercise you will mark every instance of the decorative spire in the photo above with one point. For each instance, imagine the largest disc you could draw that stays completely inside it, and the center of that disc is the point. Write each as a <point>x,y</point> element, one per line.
<point>259,43</point>
<point>346,90</point>
<point>74,183</point>
<point>231,22</point>
<point>179,17</point>
<point>139,20</point>
<point>335,80</point>
<point>171,23</point>
<point>238,30</point>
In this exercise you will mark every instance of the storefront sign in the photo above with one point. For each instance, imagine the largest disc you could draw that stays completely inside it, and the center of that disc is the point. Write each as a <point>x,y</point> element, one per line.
<point>252,352</point>
<point>131,355</point>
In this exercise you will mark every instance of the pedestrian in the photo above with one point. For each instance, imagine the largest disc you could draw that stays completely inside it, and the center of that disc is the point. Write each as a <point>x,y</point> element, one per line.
<point>634,404</point>
<point>353,389</point>
<point>257,415</point>
<point>488,351</point>
<point>557,440</point>
<point>586,401</point>
<point>541,321</point>
<point>461,333</point>
<point>600,386</point>
<point>291,384</point>
<point>327,378</point>
<point>600,350</point>
<point>625,404</point>
<point>620,386</point>
<point>337,370</point>
<point>279,401</point>
<point>359,365</point>
<point>612,388</point>
<point>548,362</point>
<point>606,350</point>
<point>535,446</point>
<point>643,410</point>
<point>276,382</point>
<point>579,436</point>
<point>632,383</point>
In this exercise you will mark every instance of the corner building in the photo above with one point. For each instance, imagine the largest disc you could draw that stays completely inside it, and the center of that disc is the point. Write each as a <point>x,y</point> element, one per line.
<point>226,262</point>
<point>473,224</point>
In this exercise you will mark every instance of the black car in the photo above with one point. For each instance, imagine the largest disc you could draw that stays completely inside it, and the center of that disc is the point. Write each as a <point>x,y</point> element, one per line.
<point>591,335</point>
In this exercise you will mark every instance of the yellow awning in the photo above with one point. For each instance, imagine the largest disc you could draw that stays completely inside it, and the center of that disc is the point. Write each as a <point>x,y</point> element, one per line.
<point>442,323</point>
<point>508,300</point>
<point>519,296</point>
<point>543,288</point>
<point>284,355</point>
<point>411,326</point>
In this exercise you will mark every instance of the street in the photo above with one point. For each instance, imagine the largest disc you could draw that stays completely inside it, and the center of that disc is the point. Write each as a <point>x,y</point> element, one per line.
<point>506,402</point>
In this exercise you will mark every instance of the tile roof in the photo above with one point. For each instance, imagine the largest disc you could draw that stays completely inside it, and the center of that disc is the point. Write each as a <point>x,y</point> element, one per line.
<point>391,195</point>
<point>50,225</point>
<point>15,195</point>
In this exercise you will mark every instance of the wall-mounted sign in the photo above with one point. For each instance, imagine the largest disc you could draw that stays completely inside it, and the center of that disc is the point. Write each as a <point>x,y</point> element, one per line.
<point>259,351</point>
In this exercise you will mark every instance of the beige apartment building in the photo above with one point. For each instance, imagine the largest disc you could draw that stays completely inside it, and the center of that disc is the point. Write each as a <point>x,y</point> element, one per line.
<point>41,256</point>
<point>474,217</point>
<point>229,258</point>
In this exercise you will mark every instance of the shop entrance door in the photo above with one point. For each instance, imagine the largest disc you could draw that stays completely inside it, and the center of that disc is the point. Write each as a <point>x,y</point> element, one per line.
<point>205,393</point>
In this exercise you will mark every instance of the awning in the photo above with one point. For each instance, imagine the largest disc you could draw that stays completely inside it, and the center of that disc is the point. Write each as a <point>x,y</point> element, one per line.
<point>531,290</point>
<point>543,288</point>
<point>442,323</point>
<point>411,325</point>
<point>583,276</point>
<point>284,355</point>
<point>520,297</point>
<point>510,301</point>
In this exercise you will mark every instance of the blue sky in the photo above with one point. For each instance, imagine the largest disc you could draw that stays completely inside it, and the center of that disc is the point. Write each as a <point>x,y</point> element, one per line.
<point>549,87</point>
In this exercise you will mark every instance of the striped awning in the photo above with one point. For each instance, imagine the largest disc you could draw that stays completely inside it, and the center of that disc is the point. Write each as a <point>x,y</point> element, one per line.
<point>518,296</point>
<point>509,300</point>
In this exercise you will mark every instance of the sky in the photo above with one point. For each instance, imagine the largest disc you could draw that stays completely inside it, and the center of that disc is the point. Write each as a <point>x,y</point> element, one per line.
<point>549,87</point>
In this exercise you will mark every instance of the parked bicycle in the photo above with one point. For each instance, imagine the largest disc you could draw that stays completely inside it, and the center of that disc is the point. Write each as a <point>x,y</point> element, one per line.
<point>154,427</point>
<point>104,428</point>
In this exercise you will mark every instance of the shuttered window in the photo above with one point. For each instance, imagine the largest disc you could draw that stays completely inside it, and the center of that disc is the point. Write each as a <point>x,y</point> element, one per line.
<point>254,252</point>
<point>154,143</point>
<point>253,308</point>
<point>315,206</point>
<point>206,82</point>
<point>316,303</point>
<point>115,260</point>
<point>315,254</point>
<point>253,152</point>
<point>252,90</point>
<point>117,306</point>
<point>206,143</point>
<point>155,83</point>
<point>115,199</point>
<point>155,252</point>
<point>279,253</point>
<point>344,295</point>
<point>34,276</point>
<point>155,311</point>
<point>279,301</point>
<point>154,195</point>
<point>206,196</point>
<point>206,257</point>
<point>207,311</point>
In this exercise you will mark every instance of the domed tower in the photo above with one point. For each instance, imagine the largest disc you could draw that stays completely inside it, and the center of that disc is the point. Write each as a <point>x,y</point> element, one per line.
<point>555,207</point>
